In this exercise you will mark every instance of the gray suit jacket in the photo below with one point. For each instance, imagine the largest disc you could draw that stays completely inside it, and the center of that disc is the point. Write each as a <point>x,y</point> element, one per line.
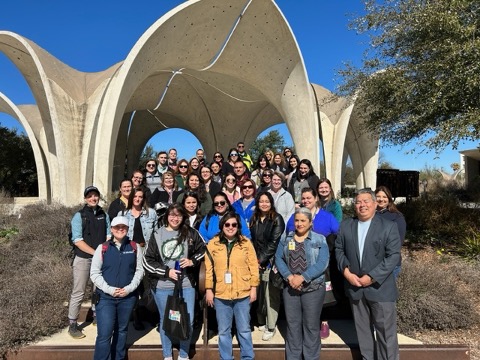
<point>381,254</point>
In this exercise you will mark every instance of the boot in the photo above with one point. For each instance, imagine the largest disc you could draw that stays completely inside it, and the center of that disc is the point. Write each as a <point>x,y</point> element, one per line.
<point>75,332</point>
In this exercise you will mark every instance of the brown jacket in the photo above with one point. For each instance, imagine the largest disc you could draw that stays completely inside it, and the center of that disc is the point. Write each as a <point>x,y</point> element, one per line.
<point>243,266</point>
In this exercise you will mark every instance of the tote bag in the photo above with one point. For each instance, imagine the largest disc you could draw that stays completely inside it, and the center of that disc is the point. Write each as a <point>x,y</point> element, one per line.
<point>176,320</point>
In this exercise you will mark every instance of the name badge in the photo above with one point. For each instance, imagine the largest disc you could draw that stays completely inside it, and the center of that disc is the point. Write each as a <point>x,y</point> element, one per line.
<point>228,277</point>
<point>291,245</point>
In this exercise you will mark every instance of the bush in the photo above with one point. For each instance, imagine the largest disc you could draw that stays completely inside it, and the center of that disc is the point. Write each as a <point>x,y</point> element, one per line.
<point>435,294</point>
<point>35,274</point>
<point>440,221</point>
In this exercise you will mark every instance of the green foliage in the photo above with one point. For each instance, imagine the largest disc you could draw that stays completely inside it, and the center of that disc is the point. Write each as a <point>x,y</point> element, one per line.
<point>424,305</point>
<point>148,153</point>
<point>419,79</point>
<point>440,220</point>
<point>18,173</point>
<point>272,141</point>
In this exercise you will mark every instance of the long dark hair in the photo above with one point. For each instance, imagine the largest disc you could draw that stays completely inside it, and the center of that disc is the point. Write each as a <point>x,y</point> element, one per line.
<point>231,215</point>
<point>131,197</point>
<point>310,173</point>
<point>184,228</point>
<point>201,191</point>
<point>257,214</point>
<point>194,195</point>
<point>391,207</point>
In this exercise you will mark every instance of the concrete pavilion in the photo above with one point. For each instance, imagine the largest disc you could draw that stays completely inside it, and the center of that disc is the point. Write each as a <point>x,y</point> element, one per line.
<point>225,71</point>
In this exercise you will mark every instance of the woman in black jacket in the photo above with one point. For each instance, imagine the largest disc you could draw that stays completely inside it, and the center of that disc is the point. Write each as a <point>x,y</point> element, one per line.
<point>304,177</point>
<point>173,253</point>
<point>266,227</point>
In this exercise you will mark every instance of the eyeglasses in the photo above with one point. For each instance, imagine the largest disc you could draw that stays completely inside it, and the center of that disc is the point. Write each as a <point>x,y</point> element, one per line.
<point>247,187</point>
<point>233,225</point>
<point>183,166</point>
<point>218,156</point>
<point>241,146</point>
<point>173,216</point>
<point>150,165</point>
<point>219,203</point>
<point>233,154</point>
<point>266,175</point>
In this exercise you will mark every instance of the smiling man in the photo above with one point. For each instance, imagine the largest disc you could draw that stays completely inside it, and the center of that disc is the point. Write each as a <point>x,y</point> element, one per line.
<point>367,249</point>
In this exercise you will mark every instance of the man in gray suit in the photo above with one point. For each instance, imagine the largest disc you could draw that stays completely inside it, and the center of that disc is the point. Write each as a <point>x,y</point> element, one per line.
<point>367,249</point>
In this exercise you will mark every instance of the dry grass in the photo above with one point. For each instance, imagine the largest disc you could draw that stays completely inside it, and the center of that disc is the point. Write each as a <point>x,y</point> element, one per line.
<point>463,281</point>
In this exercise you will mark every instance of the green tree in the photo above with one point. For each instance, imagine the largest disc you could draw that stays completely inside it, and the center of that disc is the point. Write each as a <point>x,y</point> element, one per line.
<point>18,173</point>
<point>148,153</point>
<point>273,140</point>
<point>420,77</point>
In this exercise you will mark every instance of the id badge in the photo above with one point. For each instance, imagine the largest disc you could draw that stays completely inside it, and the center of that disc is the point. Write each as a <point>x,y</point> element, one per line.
<point>291,245</point>
<point>228,277</point>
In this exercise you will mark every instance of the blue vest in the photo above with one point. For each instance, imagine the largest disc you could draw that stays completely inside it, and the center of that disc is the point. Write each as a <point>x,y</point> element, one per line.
<point>119,266</point>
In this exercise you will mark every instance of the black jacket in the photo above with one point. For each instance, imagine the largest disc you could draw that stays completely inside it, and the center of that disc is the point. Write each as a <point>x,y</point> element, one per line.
<point>265,238</point>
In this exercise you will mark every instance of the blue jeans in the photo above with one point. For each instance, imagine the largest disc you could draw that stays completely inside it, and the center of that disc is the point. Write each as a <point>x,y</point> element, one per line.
<point>161,300</point>
<point>113,315</point>
<point>226,309</point>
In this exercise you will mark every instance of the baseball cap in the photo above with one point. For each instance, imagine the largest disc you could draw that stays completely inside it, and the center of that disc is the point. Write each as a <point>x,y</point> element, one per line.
<point>89,189</point>
<point>119,220</point>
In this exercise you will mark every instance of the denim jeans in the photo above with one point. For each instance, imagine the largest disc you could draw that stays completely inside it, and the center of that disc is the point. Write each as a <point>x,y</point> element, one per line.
<point>113,315</point>
<point>226,310</point>
<point>161,300</point>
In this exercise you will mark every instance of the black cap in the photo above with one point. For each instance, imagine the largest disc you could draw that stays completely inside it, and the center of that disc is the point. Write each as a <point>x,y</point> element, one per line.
<point>90,189</point>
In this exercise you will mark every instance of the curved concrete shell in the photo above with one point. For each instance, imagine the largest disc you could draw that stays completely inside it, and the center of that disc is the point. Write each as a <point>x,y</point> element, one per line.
<point>223,70</point>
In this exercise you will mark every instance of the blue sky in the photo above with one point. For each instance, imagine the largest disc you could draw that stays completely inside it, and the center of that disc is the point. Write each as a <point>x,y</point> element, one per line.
<point>93,35</point>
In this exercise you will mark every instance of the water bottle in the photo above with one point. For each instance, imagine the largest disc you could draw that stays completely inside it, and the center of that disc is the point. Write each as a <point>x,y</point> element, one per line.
<point>177,265</point>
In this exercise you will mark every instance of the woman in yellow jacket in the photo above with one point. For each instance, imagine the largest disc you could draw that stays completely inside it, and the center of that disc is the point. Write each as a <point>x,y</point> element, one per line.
<point>231,282</point>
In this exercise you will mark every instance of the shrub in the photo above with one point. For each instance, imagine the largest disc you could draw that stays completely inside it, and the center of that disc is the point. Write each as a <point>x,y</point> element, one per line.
<point>434,296</point>
<point>35,275</point>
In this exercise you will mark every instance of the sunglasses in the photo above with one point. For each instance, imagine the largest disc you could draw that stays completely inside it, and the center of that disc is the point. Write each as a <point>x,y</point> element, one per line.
<point>247,187</point>
<point>150,165</point>
<point>183,166</point>
<point>219,203</point>
<point>233,225</point>
<point>218,156</point>
<point>241,146</point>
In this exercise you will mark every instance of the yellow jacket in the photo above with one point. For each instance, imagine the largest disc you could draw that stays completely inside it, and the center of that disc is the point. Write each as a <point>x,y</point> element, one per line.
<point>243,266</point>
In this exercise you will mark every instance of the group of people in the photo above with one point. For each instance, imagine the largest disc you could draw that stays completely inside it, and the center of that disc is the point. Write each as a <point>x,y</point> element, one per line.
<point>250,223</point>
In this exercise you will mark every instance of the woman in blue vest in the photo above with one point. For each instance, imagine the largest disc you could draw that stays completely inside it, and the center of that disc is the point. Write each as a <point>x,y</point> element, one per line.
<point>116,271</point>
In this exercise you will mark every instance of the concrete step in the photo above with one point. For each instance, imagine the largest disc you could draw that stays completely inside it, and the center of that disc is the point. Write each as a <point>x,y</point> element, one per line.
<point>340,345</point>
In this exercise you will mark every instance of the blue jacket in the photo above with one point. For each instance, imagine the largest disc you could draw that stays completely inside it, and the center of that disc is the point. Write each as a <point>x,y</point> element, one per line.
<point>324,223</point>
<point>316,251</point>
<point>247,213</point>
<point>208,233</point>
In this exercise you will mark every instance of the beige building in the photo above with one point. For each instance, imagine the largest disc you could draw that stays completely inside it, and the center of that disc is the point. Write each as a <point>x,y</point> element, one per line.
<point>224,71</point>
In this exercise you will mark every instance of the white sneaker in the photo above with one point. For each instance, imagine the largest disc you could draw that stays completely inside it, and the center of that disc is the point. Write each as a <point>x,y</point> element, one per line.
<point>181,358</point>
<point>262,328</point>
<point>268,335</point>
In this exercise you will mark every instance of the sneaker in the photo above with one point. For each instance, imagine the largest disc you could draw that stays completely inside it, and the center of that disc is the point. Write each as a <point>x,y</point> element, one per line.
<point>182,358</point>
<point>324,330</point>
<point>94,321</point>
<point>75,332</point>
<point>262,328</point>
<point>268,334</point>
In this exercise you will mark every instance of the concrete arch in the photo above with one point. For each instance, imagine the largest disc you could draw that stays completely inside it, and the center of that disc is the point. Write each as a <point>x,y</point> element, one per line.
<point>223,70</point>
<point>21,113</point>
<point>220,69</point>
